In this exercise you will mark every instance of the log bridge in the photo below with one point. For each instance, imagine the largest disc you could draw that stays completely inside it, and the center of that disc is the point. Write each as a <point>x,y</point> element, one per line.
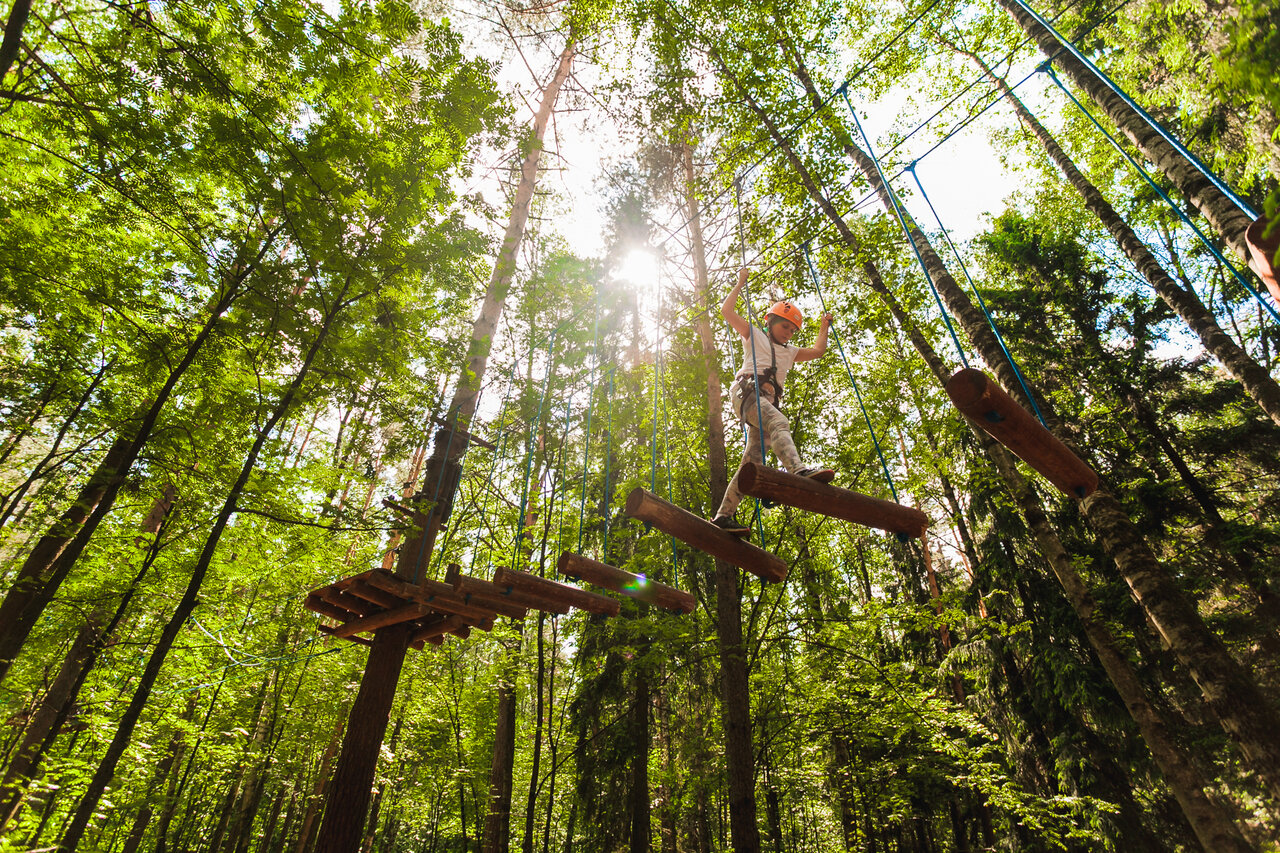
<point>810,495</point>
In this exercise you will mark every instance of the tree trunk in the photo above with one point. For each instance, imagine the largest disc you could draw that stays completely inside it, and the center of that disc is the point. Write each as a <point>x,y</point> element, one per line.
<point>735,689</point>
<point>497,821</point>
<point>124,731</point>
<point>13,27</point>
<point>1229,220</point>
<point>1241,708</point>
<point>1253,377</point>
<point>368,722</point>
<point>639,806</point>
<point>57,554</point>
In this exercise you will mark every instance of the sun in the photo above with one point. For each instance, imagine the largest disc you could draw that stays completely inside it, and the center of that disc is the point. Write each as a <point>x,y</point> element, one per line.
<point>641,268</point>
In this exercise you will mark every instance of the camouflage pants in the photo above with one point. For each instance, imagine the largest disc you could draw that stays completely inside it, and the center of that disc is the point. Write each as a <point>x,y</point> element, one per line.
<point>777,437</point>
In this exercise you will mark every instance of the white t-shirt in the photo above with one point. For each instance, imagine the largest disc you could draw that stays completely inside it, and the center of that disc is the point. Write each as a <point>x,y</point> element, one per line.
<point>783,355</point>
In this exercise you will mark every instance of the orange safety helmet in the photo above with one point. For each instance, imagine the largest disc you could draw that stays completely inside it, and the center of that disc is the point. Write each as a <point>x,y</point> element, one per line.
<point>786,311</point>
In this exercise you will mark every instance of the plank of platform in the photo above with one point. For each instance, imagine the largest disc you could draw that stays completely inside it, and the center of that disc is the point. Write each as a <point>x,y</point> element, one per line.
<point>704,535</point>
<point>554,592</point>
<point>490,593</point>
<point>635,586</point>
<point>441,597</point>
<point>812,496</point>
<point>988,406</point>
<point>406,612</point>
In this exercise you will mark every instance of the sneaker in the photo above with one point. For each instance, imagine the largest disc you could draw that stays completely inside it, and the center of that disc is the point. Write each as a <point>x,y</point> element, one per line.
<point>730,525</point>
<point>819,475</point>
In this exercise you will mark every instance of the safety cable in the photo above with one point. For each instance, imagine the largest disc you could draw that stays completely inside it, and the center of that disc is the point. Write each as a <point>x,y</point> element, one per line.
<point>755,366</point>
<point>591,399</point>
<point>1013,363</point>
<point>1146,176</point>
<point>897,209</point>
<point>608,452</point>
<point>884,465</point>
<point>1147,117</point>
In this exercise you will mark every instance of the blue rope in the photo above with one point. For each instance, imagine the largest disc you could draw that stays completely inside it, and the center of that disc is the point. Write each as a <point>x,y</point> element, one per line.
<point>897,209</point>
<point>608,450</point>
<point>1147,117</point>
<point>1137,167</point>
<point>755,367</point>
<point>981,302</point>
<point>884,465</point>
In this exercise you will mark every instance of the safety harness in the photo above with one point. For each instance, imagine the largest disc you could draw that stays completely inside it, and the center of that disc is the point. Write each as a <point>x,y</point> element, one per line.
<point>748,385</point>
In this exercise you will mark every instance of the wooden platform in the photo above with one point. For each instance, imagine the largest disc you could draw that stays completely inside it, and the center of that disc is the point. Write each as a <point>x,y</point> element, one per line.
<point>363,603</point>
<point>812,496</point>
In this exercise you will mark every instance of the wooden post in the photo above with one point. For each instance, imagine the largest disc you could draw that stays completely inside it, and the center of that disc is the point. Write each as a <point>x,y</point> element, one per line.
<point>636,586</point>
<point>1263,253</point>
<point>554,591</point>
<point>987,405</point>
<point>704,535</point>
<point>804,493</point>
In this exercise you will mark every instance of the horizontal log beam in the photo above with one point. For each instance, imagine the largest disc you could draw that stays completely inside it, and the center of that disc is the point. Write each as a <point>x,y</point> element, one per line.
<point>635,586</point>
<point>812,496</point>
<point>704,535</point>
<point>404,613</point>
<point>356,605</point>
<point>434,632</point>
<point>988,406</point>
<point>554,592</point>
<point>333,632</point>
<point>317,604</point>
<point>478,589</point>
<point>369,592</point>
<point>440,597</point>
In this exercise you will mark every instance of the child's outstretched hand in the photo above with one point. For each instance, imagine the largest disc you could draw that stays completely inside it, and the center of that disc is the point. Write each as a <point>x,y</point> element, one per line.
<point>825,320</point>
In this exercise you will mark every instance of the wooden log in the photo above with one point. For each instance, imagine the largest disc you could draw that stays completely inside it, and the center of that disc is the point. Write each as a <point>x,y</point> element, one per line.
<point>332,631</point>
<point>369,592</point>
<point>489,593</point>
<point>318,605</point>
<point>434,631</point>
<point>1264,253</point>
<point>356,605</point>
<point>990,407</point>
<point>704,535</point>
<point>636,586</point>
<point>812,496</point>
<point>404,613</point>
<point>439,597</point>
<point>555,592</point>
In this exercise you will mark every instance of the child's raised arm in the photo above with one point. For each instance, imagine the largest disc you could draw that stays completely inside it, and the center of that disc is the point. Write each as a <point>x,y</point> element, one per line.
<point>729,309</point>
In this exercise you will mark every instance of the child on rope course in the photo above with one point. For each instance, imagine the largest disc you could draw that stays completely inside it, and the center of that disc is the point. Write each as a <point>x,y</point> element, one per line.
<point>762,375</point>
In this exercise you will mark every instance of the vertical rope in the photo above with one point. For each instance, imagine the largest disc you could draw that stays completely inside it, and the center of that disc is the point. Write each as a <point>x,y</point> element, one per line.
<point>751,339</point>
<point>1147,117</point>
<point>902,221</point>
<point>981,302</point>
<point>884,465</point>
<point>1146,176</point>
<point>608,451</point>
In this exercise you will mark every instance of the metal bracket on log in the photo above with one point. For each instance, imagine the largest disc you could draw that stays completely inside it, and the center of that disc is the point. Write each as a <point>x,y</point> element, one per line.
<point>639,587</point>
<point>704,535</point>
<point>812,496</point>
<point>988,406</point>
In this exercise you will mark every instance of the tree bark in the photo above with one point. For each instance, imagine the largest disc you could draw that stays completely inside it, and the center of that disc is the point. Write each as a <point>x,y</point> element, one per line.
<point>1229,220</point>
<point>497,821</point>
<point>1253,377</point>
<point>368,722</point>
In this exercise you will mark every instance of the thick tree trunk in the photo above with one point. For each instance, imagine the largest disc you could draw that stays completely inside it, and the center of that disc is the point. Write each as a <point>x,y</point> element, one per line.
<point>1253,377</point>
<point>735,690</point>
<point>1215,829</point>
<point>13,27</point>
<point>1229,220</point>
<point>1242,709</point>
<point>368,722</point>
<point>639,805</point>
<point>124,731</point>
<point>497,821</point>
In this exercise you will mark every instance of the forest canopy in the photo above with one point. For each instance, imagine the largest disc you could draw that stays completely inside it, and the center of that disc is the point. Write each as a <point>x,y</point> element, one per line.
<point>319,317</point>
